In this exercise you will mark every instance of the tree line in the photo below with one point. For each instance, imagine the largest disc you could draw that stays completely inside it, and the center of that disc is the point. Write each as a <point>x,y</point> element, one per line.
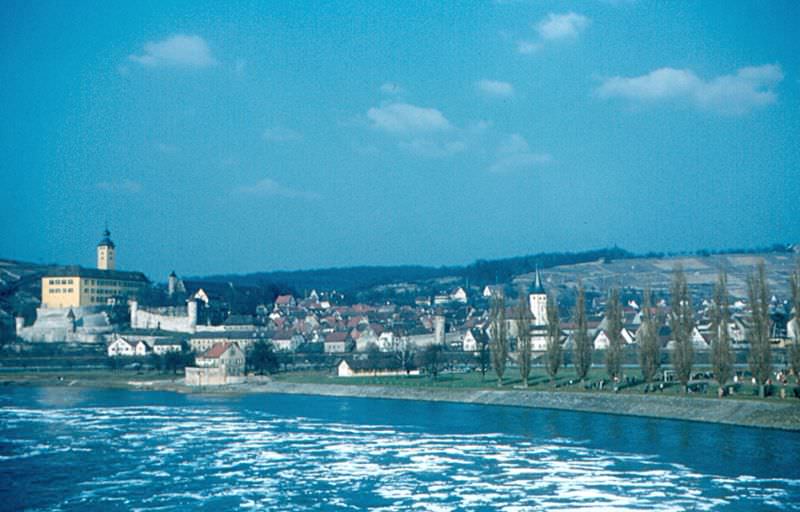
<point>680,320</point>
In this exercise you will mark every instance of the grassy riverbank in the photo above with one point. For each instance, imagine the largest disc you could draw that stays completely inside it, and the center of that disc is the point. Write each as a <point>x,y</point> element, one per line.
<point>539,381</point>
<point>744,408</point>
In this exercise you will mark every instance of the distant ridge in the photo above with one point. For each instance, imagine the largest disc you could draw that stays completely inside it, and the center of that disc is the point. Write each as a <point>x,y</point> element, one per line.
<point>480,273</point>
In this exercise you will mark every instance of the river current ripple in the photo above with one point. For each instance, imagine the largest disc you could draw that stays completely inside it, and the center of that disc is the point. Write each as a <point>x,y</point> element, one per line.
<point>217,457</point>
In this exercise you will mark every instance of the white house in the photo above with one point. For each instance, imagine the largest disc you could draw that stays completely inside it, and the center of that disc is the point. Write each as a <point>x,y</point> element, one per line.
<point>286,341</point>
<point>121,347</point>
<point>602,340</point>
<point>336,342</point>
<point>473,339</point>
<point>163,346</point>
<point>459,295</point>
<point>366,368</point>
<point>224,363</point>
<point>141,348</point>
<point>386,341</point>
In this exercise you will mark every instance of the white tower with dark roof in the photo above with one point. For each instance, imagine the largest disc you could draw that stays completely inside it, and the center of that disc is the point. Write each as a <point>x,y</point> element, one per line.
<point>105,252</point>
<point>537,299</point>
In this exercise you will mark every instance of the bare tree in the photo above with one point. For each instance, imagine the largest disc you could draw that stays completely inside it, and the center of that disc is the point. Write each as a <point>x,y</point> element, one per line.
<point>403,350</point>
<point>682,323</point>
<point>794,348</point>
<point>554,355</point>
<point>499,337</point>
<point>760,359</point>
<point>614,329</point>
<point>583,347</point>
<point>431,359</point>
<point>649,349</point>
<point>721,353</point>
<point>523,321</point>
<point>483,353</point>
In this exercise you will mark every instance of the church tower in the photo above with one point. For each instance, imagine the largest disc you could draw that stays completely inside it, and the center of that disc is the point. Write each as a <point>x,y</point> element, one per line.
<point>538,301</point>
<point>105,252</point>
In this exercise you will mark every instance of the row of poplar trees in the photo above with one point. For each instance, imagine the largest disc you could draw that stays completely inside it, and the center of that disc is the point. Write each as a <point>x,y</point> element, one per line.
<point>681,322</point>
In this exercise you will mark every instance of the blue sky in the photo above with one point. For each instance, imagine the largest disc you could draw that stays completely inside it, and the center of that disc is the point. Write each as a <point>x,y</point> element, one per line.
<point>220,137</point>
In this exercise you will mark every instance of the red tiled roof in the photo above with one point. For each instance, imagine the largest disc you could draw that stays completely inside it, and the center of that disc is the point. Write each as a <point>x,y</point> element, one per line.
<point>216,351</point>
<point>283,299</point>
<point>336,336</point>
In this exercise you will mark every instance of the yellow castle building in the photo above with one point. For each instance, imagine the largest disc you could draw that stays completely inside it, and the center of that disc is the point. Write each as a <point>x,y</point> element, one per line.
<point>74,286</point>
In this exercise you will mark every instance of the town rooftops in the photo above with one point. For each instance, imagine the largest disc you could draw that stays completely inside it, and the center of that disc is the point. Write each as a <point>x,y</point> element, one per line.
<point>230,335</point>
<point>336,336</point>
<point>216,351</point>
<point>95,273</point>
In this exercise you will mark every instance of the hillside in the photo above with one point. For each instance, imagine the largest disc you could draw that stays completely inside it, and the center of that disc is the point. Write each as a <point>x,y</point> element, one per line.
<point>656,273</point>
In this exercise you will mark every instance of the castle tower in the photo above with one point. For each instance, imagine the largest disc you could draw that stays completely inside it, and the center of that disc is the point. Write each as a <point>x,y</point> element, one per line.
<point>172,283</point>
<point>71,320</point>
<point>538,301</point>
<point>439,329</point>
<point>105,252</point>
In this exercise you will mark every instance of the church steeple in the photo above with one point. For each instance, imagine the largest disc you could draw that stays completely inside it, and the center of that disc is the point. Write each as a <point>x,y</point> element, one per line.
<point>537,283</point>
<point>105,251</point>
<point>537,300</point>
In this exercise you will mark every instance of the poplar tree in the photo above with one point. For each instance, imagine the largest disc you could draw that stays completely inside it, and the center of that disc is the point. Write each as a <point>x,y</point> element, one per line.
<point>614,330</point>
<point>794,348</point>
<point>721,353</point>
<point>554,355</point>
<point>523,321</point>
<point>499,337</point>
<point>682,323</point>
<point>649,350</point>
<point>582,349</point>
<point>760,359</point>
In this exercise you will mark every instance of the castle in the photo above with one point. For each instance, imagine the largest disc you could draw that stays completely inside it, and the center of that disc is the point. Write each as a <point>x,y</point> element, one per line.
<point>77,302</point>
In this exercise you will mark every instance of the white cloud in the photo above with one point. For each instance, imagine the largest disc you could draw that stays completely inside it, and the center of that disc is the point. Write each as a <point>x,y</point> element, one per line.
<point>749,88</point>
<point>392,89</point>
<point>562,26</point>
<point>528,47</point>
<point>514,154</point>
<point>405,119</point>
<point>123,186</point>
<point>268,187</point>
<point>281,134</point>
<point>554,28</point>
<point>495,88</point>
<point>433,149</point>
<point>179,50</point>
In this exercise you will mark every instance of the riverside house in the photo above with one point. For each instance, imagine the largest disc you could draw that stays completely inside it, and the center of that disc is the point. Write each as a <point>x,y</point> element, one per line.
<point>222,364</point>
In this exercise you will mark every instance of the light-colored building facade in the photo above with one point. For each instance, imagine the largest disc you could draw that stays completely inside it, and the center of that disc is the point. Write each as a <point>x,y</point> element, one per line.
<point>224,363</point>
<point>74,286</point>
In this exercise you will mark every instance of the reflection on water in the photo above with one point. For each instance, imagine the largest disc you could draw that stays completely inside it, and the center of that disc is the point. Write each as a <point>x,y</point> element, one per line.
<point>121,450</point>
<point>59,397</point>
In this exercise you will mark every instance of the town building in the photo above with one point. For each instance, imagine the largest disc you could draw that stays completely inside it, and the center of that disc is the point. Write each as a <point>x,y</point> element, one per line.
<point>372,368</point>
<point>538,301</point>
<point>223,363</point>
<point>74,286</point>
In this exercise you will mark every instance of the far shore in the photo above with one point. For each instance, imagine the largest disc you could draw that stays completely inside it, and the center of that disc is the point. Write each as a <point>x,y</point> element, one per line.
<point>784,415</point>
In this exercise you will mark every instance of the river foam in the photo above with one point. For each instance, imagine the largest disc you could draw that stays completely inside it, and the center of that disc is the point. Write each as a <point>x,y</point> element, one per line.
<point>170,458</point>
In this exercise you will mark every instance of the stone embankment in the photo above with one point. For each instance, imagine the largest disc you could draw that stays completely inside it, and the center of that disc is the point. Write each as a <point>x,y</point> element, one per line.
<point>752,413</point>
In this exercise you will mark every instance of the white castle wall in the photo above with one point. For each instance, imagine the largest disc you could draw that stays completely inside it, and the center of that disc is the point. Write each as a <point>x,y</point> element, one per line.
<point>166,320</point>
<point>91,324</point>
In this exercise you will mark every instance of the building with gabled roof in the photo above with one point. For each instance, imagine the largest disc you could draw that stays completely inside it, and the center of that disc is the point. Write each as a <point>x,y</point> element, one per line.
<point>224,363</point>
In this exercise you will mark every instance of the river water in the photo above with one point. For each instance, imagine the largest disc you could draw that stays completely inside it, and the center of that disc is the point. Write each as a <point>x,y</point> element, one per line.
<point>90,449</point>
